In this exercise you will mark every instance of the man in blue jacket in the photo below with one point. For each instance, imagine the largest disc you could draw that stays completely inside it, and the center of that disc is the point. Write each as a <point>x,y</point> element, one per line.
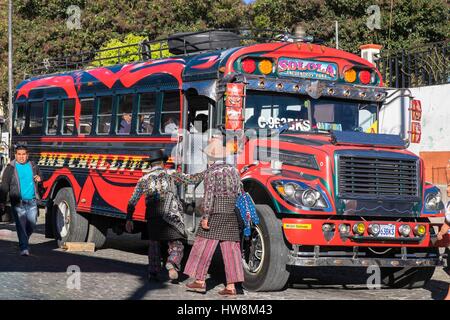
<point>20,179</point>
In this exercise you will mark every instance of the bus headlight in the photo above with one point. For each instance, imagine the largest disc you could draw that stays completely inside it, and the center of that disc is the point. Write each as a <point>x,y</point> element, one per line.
<point>310,197</point>
<point>289,190</point>
<point>300,195</point>
<point>433,200</point>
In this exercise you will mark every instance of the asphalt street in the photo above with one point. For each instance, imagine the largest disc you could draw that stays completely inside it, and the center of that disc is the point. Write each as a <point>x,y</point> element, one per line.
<point>119,272</point>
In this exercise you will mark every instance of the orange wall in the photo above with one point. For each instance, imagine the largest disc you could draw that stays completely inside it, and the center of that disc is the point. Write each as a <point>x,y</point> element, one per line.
<point>437,166</point>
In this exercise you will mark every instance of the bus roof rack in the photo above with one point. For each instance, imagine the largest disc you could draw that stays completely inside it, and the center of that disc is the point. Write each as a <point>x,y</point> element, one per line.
<point>185,43</point>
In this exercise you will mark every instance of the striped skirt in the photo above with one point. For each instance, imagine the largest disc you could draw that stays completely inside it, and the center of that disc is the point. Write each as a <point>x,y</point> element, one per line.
<point>201,255</point>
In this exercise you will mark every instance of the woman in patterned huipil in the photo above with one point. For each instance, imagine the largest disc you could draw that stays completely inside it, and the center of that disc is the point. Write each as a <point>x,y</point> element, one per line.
<point>219,225</point>
<point>164,213</point>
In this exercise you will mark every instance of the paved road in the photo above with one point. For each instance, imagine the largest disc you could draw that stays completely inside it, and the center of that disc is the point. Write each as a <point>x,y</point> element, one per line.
<point>118,272</point>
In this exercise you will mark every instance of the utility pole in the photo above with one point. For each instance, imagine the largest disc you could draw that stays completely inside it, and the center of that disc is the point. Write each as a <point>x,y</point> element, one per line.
<point>337,34</point>
<point>10,71</point>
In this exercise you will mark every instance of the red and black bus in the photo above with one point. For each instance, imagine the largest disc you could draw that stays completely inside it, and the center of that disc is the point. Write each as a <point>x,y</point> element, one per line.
<point>330,189</point>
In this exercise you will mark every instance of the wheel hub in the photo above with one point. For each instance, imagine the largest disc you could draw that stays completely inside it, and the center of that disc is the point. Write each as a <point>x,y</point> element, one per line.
<point>253,251</point>
<point>63,218</point>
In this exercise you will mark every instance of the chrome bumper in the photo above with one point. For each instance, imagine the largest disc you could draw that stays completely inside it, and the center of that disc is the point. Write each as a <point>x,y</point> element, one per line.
<point>364,262</point>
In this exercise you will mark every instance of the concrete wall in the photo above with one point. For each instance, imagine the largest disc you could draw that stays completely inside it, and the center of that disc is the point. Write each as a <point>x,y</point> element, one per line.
<point>435,118</point>
<point>434,147</point>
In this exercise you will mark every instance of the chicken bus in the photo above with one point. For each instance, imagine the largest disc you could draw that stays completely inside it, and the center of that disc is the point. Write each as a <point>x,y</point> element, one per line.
<point>330,187</point>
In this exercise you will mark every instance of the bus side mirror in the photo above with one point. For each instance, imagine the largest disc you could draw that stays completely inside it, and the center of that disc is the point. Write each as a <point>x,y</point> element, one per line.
<point>416,116</point>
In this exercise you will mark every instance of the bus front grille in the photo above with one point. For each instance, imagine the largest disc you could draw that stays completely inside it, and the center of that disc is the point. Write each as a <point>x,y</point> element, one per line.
<point>377,178</point>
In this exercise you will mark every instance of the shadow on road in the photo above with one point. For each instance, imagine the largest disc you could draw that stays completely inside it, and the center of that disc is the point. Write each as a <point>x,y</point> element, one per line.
<point>47,258</point>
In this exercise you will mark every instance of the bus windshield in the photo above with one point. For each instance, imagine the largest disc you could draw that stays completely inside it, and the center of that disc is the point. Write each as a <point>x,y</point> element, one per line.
<point>266,110</point>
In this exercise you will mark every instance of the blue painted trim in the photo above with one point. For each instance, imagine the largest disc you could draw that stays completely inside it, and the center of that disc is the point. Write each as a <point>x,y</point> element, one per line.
<point>305,186</point>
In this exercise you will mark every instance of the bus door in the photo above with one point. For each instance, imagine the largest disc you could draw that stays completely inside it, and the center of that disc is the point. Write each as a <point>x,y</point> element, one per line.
<point>200,119</point>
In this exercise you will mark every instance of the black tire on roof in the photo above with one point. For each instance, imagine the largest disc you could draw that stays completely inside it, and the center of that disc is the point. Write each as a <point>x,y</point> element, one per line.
<point>187,42</point>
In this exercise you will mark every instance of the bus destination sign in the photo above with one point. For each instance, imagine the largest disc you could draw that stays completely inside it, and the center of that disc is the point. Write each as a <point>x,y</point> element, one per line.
<point>301,68</point>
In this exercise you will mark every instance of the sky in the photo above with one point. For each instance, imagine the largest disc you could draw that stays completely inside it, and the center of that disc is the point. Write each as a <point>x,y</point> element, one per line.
<point>249,1</point>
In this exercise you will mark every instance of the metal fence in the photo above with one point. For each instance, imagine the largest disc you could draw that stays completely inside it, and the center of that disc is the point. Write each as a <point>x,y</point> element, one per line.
<point>178,44</point>
<point>424,66</point>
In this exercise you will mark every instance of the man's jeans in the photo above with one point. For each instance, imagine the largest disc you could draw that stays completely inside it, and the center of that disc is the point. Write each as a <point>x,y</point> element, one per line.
<point>25,215</point>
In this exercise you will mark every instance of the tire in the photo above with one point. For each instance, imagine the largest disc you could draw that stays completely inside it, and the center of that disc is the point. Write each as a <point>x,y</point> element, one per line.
<point>270,274</point>
<point>406,278</point>
<point>98,230</point>
<point>187,42</point>
<point>69,225</point>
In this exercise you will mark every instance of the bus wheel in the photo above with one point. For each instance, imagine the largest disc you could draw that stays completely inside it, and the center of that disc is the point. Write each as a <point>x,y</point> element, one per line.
<point>69,225</point>
<point>406,278</point>
<point>265,254</point>
<point>98,230</point>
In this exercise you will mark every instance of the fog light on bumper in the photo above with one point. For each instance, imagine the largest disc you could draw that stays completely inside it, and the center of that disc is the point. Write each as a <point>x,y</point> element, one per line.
<point>374,229</point>
<point>327,227</point>
<point>404,230</point>
<point>420,230</point>
<point>344,228</point>
<point>359,228</point>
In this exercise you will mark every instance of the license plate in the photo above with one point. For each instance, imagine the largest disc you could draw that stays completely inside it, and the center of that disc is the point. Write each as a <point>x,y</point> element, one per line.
<point>387,231</point>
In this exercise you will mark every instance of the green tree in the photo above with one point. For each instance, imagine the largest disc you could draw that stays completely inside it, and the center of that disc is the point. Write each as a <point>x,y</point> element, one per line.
<point>408,23</point>
<point>41,31</point>
<point>129,50</point>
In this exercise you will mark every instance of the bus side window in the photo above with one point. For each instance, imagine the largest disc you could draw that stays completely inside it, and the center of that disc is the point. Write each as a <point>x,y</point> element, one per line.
<point>104,115</point>
<point>124,110</point>
<point>52,117</point>
<point>87,109</point>
<point>36,115</point>
<point>19,119</point>
<point>68,118</point>
<point>170,114</point>
<point>146,113</point>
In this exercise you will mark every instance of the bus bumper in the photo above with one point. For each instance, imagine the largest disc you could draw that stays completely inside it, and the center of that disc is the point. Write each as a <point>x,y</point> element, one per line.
<point>310,232</point>
<point>295,260</point>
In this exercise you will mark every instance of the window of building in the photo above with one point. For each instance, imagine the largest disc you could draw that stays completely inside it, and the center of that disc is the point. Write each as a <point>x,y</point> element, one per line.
<point>104,114</point>
<point>68,118</point>
<point>19,119</point>
<point>36,115</point>
<point>170,114</point>
<point>52,117</point>
<point>146,113</point>
<point>87,110</point>
<point>124,113</point>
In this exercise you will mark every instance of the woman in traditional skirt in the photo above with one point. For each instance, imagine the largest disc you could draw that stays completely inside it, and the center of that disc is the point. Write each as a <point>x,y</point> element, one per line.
<point>219,225</point>
<point>164,214</point>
